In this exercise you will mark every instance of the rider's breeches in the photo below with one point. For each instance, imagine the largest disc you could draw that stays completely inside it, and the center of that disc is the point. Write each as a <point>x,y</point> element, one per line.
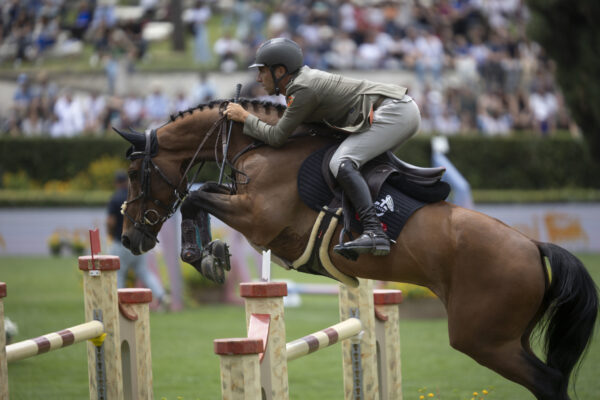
<point>394,122</point>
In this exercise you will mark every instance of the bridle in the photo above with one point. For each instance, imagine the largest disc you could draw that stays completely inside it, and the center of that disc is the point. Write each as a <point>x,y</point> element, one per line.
<point>151,217</point>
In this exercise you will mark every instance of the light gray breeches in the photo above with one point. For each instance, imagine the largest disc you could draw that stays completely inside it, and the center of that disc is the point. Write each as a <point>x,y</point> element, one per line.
<point>394,122</point>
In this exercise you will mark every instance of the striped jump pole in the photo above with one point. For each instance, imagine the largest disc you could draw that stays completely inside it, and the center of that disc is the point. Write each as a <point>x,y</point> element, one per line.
<point>53,341</point>
<point>324,338</point>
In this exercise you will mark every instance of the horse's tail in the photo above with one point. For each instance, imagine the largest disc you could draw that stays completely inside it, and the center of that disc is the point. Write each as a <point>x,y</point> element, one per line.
<point>572,300</point>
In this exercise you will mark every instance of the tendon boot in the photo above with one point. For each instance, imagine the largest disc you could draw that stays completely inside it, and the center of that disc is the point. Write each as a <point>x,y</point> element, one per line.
<point>195,235</point>
<point>373,239</point>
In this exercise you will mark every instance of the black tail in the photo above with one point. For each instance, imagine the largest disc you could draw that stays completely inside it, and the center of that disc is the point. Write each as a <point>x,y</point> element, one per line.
<point>572,300</point>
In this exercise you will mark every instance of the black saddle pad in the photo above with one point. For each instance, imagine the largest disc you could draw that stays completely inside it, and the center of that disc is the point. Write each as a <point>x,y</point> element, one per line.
<point>393,206</point>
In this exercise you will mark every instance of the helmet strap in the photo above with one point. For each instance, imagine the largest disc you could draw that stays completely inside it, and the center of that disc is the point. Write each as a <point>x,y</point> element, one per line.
<point>275,79</point>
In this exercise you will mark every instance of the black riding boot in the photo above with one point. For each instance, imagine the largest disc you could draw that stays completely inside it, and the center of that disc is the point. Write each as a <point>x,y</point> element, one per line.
<point>373,239</point>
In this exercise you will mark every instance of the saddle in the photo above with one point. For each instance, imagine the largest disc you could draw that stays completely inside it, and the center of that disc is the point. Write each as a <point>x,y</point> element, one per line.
<point>398,188</point>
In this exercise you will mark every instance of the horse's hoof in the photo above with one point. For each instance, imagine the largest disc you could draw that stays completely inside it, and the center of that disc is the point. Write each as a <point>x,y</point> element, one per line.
<point>211,269</point>
<point>220,251</point>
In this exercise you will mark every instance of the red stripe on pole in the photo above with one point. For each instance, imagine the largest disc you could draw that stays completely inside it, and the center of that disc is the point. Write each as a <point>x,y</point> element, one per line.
<point>43,344</point>
<point>2,290</point>
<point>332,334</point>
<point>313,343</point>
<point>67,337</point>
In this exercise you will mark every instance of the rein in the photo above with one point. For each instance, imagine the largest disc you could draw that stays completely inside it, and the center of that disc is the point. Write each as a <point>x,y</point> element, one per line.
<point>151,217</point>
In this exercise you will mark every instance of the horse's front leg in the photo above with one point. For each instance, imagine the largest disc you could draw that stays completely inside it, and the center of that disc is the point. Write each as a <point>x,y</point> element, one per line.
<point>209,257</point>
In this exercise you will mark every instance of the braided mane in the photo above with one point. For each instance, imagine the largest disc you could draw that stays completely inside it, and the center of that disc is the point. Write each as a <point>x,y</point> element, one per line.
<point>246,103</point>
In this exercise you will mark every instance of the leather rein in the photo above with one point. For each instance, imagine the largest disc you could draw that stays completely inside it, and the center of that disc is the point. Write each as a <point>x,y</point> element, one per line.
<point>150,216</point>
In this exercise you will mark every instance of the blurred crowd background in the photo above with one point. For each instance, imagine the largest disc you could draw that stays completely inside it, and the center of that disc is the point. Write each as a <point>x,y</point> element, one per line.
<point>469,63</point>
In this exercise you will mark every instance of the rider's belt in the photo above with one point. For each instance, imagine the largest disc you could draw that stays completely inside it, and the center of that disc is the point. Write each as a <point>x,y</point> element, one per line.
<point>375,106</point>
<point>378,102</point>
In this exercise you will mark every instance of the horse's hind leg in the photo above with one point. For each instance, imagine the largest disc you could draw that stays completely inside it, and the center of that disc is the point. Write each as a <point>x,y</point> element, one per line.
<point>515,363</point>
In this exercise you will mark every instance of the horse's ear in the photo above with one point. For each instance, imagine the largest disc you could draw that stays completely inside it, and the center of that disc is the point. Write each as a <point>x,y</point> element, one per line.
<point>138,140</point>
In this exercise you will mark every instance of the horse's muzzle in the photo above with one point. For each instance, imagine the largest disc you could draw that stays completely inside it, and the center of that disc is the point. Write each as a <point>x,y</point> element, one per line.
<point>137,242</point>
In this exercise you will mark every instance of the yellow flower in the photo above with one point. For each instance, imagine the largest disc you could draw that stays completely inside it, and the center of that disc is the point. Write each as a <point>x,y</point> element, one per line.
<point>475,394</point>
<point>421,397</point>
<point>430,395</point>
<point>484,391</point>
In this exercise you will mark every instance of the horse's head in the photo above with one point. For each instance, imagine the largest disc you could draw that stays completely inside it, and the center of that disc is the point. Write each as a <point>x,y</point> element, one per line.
<point>156,189</point>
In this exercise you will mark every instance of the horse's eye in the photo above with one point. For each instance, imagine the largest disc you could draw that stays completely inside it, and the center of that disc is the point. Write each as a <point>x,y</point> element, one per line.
<point>133,174</point>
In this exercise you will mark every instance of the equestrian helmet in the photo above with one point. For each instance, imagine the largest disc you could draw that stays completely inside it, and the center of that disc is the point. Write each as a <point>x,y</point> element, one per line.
<point>279,51</point>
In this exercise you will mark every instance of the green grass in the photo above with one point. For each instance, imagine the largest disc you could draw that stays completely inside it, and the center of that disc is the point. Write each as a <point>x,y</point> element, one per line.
<point>44,295</point>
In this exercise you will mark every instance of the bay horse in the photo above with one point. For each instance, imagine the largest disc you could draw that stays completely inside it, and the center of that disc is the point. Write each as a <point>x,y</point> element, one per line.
<point>492,279</point>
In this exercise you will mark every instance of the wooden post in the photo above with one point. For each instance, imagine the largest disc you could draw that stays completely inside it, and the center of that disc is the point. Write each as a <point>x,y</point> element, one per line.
<point>134,325</point>
<point>3,362</point>
<point>101,303</point>
<point>267,298</point>
<point>387,330</point>
<point>240,369</point>
<point>360,355</point>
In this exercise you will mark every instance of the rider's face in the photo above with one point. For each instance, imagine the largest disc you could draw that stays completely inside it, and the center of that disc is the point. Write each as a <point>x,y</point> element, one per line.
<point>266,79</point>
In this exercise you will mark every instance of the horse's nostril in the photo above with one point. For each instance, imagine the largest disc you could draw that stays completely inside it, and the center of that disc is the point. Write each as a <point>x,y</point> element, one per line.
<point>125,241</point>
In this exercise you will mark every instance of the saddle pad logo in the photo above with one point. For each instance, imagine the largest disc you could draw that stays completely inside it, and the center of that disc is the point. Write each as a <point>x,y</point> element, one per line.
<point>384,205</point>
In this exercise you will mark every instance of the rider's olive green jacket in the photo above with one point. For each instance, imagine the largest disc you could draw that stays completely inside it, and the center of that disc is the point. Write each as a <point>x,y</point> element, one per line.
<point>321,97</point>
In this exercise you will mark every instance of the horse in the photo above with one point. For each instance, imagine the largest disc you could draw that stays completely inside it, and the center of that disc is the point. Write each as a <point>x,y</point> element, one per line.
<point>493,280</point>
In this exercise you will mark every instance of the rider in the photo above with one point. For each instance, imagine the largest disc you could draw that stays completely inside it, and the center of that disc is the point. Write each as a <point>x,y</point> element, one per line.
<point>376,117</point>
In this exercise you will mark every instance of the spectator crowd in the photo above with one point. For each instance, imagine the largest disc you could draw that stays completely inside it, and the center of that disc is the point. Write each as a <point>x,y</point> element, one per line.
<point>474,69</point>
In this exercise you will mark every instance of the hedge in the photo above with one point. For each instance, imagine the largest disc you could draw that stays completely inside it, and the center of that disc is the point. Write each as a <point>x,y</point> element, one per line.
<point>487,163</point>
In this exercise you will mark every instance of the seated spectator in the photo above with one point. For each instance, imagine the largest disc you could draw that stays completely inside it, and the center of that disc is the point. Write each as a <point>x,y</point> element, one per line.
<point>34,123</point>
<point>45,33</point>
<point>156,107</point>
<point>132,111</point>
<point>430,57</point>
<point>229,50</point>
<point>22,96</point>
<point>342,53</point>
<point>544,107</point>
<point>69,116</point>
<point>181,102</point>
<point>204,91</point>
<point>94,107</point>
<point>46,91</point>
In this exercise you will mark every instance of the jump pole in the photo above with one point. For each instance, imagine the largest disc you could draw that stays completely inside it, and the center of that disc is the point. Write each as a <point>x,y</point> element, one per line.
<point>113,312</point>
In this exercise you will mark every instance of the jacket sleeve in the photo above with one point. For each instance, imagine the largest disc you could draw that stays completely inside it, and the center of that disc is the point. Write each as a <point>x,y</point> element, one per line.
<point>302,105</point>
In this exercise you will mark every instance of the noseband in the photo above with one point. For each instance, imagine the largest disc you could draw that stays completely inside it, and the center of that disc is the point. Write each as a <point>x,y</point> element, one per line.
<point>151,217</point>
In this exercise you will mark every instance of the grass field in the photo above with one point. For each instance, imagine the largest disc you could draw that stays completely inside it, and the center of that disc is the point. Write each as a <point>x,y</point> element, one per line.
<point>45,295</point>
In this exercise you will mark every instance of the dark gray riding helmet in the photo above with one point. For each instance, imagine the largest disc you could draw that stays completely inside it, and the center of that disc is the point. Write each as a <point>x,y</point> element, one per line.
<point>279,51</point>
